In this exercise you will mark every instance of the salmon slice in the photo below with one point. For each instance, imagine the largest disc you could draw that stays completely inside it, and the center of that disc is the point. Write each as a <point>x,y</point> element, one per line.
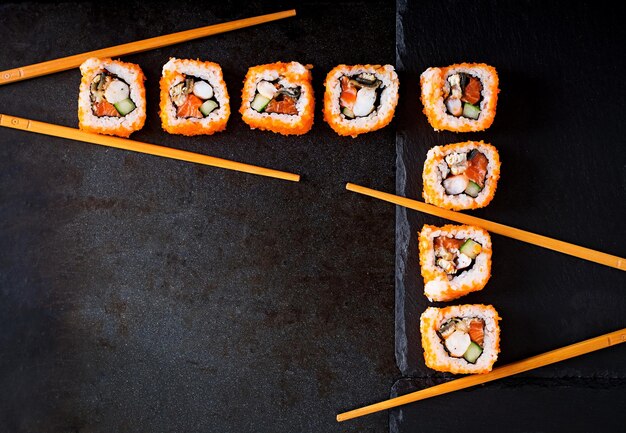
<point>471,93</point>
<point>477,169</point>
<point>448,243</point>
<point>477,331</point>
<point>191,107</point>
<point>285,106</point>
<point>348,93</point>
<point>105,108</point>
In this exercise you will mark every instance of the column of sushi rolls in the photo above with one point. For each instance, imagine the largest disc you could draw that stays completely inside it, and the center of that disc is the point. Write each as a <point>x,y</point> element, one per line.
<point>456,260</point>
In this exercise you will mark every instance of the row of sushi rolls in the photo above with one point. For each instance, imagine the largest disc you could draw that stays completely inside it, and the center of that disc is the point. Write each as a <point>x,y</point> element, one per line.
<point>278,97</point>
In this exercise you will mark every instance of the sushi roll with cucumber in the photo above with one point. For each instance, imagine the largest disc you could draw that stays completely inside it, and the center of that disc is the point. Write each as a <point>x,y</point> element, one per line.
<point>112,97</point>
<point>360,98</point>
<point>461,175</point>
<point>454,260</point>
<point>194,99</point>
<point>461,339</point>
<point>278,97</point>
<point>460,97</point>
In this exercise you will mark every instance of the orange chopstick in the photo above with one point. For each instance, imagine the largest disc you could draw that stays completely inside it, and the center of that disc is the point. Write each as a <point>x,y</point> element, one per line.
<point>501,229</point>
<point>137,146</point>
<point>65,63</point>
<point>567,352</point>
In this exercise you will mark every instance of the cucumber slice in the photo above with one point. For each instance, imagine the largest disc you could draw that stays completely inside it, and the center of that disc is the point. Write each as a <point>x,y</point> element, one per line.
<point>125,106</point>
<point>473,189</point>
<point>471,249</point>
<point>208,106</point>
<point>259,103</point>
<point>472,353</point>
<point>348,113</point>
<point>471,111</point>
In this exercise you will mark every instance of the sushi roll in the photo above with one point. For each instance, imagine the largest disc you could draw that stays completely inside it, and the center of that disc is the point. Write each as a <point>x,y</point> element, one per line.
<point>194,99</point>
<point>460,97</point>
<point>112,97</point>
<point>278,97</point>
<point>461,175</point>
<point>455,260</point>
<point>461,338</point>
<point>360,98</point>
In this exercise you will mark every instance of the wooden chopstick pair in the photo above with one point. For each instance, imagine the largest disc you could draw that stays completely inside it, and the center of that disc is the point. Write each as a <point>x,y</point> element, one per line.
<point>547,358</point>
<point>65,63</point>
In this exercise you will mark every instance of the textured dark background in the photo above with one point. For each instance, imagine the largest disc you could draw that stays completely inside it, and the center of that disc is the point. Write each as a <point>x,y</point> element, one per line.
<point>560,135</point>
<point>143,294</point>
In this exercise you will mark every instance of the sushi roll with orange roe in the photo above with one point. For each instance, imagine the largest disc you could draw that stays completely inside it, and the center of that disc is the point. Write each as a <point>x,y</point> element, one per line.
<point>194,99</point>
<point>360,98</point>
<point>112,97</point>
<point>461,339</point>
<point>460,97</point>
<point>278,97</point>
<point>461,175</point>
<point>454,260</point>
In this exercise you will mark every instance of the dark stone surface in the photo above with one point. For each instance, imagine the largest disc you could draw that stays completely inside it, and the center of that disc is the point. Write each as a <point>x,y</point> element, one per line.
<point>560,136</point>
<point>143,294</point>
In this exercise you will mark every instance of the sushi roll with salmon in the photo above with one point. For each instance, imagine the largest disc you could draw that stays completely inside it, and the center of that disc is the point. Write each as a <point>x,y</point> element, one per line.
<point>360,98</point>
<point>461,339</point>
<point>460,97</point>
<point>194,99</point>
<point>454,260</point>
<point>461,175</point>
<point>278,97</point>
<point>112,97</point>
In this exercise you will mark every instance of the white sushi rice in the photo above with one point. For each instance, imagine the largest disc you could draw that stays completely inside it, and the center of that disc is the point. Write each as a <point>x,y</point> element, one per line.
<point>490,344</point>
<point>212,75</point>
<point>93,67</point>
<point>388,96</point>
<point>271,75</point>
<point>436,156</point>
<point>432,85</point>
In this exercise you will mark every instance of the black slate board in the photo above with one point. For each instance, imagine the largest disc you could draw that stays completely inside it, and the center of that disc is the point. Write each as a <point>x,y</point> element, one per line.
<point>143,294</point>
<point>561,142</point>
<point>516,405</point>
